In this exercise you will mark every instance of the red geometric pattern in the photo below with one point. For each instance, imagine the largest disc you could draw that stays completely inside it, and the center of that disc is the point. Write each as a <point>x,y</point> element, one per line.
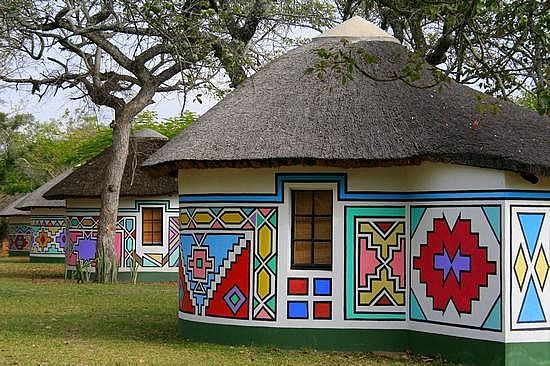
<point>322,310</point>
<point>298,286</point>
<point>238,275</point>
<point>453,265</point>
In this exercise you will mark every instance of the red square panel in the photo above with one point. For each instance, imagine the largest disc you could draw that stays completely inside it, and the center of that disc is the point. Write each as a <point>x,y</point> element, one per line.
<point>322,310</point>
<point>298,286</point>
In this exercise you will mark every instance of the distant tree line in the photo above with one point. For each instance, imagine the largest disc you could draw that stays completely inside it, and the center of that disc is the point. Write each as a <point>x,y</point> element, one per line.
<point>32,152</point>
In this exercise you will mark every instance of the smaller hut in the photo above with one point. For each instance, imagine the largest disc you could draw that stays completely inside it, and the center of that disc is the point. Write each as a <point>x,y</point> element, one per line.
<point>147,232</point>
<point>47,223</point>
<point>19,227</point>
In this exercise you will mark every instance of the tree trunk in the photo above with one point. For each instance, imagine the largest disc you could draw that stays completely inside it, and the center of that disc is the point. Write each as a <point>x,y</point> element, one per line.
<point>106,261</point>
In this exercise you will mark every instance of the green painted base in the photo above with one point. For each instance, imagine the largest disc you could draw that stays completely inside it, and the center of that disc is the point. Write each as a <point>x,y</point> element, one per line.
<point>18,253</point>
<point>142,276</point>
<point>33,259</point>
<point>464,350</point>
<point>528,353</point>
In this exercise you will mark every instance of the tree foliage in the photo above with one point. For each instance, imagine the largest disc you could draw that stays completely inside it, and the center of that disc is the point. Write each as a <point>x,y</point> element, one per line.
<point>32,152</point>
<point>502,47</point>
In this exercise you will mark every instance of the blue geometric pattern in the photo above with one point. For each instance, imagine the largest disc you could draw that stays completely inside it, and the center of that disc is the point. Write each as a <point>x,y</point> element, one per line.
<point>297,310</point>
<point>531,309</point>
<point>531,223</point>
<point>322,287</point>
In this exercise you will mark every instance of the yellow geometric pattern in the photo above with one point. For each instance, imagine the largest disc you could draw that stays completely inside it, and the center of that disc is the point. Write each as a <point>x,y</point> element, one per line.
<point>541,267</point>
<point>264,245</point>
<point>203,218</point>
<point>184,218</point>
<point>232,217</point>
<point>386,243</point>
<point>520,267</point>
<point>264,284</point>
<point>381,285</point>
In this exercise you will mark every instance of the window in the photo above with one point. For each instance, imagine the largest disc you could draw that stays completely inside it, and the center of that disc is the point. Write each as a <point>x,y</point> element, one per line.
<point>311,229</point>
<point>152,226</point>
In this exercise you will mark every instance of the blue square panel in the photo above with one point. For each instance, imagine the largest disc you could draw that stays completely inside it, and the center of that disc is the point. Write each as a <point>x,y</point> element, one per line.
<point>322,287</point>
<point>297,310</point>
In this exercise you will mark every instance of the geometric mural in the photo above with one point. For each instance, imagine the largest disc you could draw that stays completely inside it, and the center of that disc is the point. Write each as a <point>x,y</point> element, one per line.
<point>83,234</point>
<point>530,266</point>
<point>49,235</point>
<point>375,263</point>
<point>219,246</point>
<point>455,266</point>
<point>19,237</point>
<point>299,305</point>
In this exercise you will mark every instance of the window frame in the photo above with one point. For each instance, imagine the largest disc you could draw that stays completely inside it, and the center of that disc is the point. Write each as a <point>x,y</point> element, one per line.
<point>161,221</point>
<point>312,216</point>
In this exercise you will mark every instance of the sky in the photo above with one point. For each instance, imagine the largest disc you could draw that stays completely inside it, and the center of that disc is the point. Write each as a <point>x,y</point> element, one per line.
<point>52,107</point>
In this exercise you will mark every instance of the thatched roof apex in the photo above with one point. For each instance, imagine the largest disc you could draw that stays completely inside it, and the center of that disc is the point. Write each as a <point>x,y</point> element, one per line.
<point>147,133</point>
<point>87,180</point>
<point>35,199</point>
<point>10,210</point>
<point>282,116</point>
<point>358,29</point>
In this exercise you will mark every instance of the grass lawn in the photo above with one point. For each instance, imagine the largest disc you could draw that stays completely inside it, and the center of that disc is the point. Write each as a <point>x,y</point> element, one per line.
<point>47,321</point>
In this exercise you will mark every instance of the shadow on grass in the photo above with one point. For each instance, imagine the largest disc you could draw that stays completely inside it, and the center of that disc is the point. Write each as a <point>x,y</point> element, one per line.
<point>32,271</point>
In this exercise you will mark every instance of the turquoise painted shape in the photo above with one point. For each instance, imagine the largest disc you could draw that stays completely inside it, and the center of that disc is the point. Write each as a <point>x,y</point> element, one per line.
<point>493,320</point>
<point>531,309</point>
<point>493,216</point>
<point>531,223</point>
<point>415,311</point>
<point>129,224</point>
<point>129,244</point>
<point>148,263</point>
<point>272,264</point>
<point>216,210</point>
<point>416,216</point>
<point>273,220</point>
<point>173,259</point>
<point>350,214</point>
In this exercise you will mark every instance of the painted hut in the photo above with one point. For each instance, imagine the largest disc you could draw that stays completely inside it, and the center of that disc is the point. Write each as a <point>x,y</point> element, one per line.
<point>376,215</point>
<point>47,223</point>
<point>147,233</point>
<point>19,227</point>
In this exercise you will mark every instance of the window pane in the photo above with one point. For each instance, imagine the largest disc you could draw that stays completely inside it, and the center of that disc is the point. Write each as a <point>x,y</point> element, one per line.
<point>157,237</point>
<point>302,228</point>
<point>303,201</point>
<point>157,214</point>
<point>147,237</point>
<point>323,228</point>
<point>302,252</point>
<point>147,225</point>
<point>322,253</point>
<point>147,214</point>
<point>323,202</point>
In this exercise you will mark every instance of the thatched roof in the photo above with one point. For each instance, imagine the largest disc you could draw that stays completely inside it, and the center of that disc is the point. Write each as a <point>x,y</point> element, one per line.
<point>35,199</point>
<point>10,202</point>
<point>281,116</point>
<point>87,180</point>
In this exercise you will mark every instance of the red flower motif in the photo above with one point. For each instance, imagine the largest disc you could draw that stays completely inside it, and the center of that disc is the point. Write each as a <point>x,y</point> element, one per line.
<point>453,265</point>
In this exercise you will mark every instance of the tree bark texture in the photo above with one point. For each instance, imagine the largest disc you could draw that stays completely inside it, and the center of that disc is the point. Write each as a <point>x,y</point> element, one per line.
<point>106,261</point>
